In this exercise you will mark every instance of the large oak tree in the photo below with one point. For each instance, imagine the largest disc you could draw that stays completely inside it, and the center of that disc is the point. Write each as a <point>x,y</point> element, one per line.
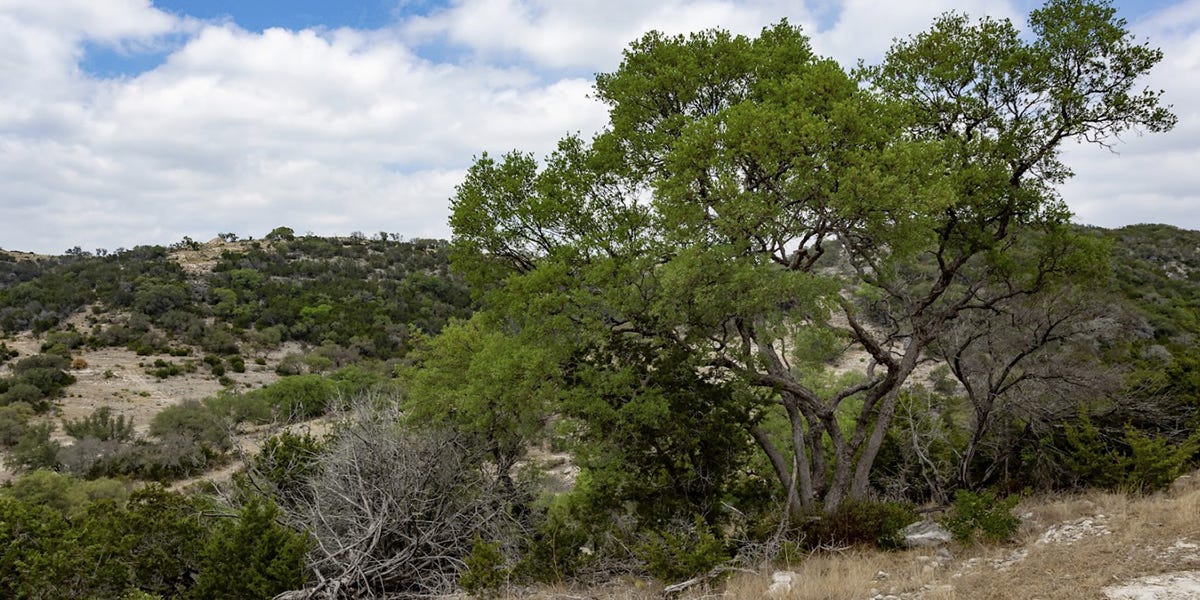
<point>752,211</point>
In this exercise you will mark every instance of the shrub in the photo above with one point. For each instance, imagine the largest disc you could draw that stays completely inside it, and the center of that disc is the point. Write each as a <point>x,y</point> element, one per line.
<point>34,449</point>
<point>1154,461</point>
<point>298,397</point>
<point>90,457</point>
<point>101,425</point>
<point>27,394</point>
<point>41,361</point>
<point>240,408</point>
<point>553,553</point>
<point>7,353</point>
<point>194,421</point>
<point>164,369</point>
<point>871,523</point>
<point>252,556</point>
<point>684,550</point>
<point>49,382</point>
<point>287,461</point>
<point>1138,462</point>
<point>484,571</point>
<point>13,420</point>
<point>63,493</point>
<point>982,515</point>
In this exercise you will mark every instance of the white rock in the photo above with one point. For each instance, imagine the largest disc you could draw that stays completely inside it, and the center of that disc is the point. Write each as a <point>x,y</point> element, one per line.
<point>925,534</point>
<point>1170,586</point>
<point>781,583</point>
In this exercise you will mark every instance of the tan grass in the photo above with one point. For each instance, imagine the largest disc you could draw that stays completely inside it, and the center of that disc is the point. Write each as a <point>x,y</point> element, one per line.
<point>1145,539</point>
<point>1144,530</point>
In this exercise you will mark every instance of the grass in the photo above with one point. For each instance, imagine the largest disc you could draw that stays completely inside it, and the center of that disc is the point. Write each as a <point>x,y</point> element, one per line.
<point>1144,538</point>
<point>1145,531</point>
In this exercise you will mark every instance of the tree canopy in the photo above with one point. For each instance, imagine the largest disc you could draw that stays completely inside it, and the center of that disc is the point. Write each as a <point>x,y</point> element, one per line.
<point>753,213</point>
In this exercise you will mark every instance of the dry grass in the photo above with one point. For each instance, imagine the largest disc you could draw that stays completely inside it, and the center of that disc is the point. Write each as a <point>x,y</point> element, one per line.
<point>1148,535</point>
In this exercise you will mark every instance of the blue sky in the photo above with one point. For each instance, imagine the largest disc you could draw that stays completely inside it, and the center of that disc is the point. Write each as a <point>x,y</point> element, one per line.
<point>129,121</point>
<point>257,15</point>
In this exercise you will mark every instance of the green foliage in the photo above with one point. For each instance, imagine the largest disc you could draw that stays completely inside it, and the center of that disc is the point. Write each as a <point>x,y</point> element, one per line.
<point>152,544</point>
<point>13,420</point>
<point>34,449</point>
<point>31,542</point>
<point>484,572</point>
<point>868,523</point>
<point>250,556</point>
<point>690,235</point>
<point>297,397</point>
<point>484,384</point>
<point>280,234</point>
<point>376,295</point>
<point>6,353</point>
<point>193,421</point>
<point>238,408</point>
<point>156,539</point>
<point>682,551</point>
<point>163,369</point>
<point>65,494</point>
<point>286,462</point>
<point>1154,461</point>
<point>553,553</point>
<point>35,380</point>
<point>982,515</point>
<point>101,425</point>
<point>1137,461</point>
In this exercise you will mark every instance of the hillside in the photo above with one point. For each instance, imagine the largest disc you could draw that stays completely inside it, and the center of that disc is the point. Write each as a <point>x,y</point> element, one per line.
<point>205,361</point>
<point>150,328</point>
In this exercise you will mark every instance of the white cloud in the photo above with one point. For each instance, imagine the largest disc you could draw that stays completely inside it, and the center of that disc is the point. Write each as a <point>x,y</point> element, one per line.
<point>341,130</point>
<point>1150,178</point>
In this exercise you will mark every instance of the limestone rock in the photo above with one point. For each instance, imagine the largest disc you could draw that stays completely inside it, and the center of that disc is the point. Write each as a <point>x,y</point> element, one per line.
<point>781,583</point>
<point>925,534</point>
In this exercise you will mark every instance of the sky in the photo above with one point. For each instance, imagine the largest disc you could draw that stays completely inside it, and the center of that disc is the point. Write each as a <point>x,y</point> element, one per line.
<point>127,122</point>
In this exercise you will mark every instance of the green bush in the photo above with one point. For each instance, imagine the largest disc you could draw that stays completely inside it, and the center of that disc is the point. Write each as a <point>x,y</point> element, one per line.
<point>27,394</point>
<point>982,515</point>
<point>553,553</point>
<point>34,449</point>
<point>7,353</point>
<point>41,361</point>
<point>287,461</point>
<point>1154,461</point>
<point>1136,462</point>
<point>860,523</point>
<point>13,420</point>
<point>252,556</point>
<point>65,494</point>
<point>163,369</point>
<point>194,421</point>
<point>298,397</point>
<point>681,552</point>
<point>240,408</point>
<point>101,425</point>
<point>484,571</point>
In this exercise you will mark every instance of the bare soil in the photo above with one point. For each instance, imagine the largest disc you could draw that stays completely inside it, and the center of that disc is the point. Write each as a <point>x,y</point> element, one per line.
<point>118,378</point>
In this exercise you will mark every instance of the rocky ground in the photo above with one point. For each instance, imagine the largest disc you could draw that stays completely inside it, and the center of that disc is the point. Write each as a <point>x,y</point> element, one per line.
<point>118,378</point>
